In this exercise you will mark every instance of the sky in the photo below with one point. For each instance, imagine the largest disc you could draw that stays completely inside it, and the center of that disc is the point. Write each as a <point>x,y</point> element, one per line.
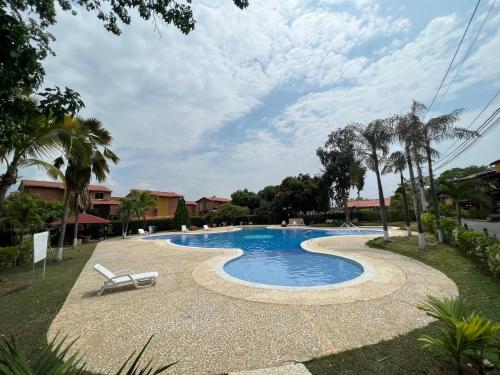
<point>245,99</point>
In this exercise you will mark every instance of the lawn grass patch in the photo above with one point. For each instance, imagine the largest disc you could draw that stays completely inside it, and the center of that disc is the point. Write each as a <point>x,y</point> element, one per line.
<point>402,355</point>
<point>27,313</point>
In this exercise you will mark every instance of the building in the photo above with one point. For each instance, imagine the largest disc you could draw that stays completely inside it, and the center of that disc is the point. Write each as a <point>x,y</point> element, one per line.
<point>103,204</point>
<point>192,208</point>
<point>208,204</point>
<point>367,203</point>
<point>166,203</point>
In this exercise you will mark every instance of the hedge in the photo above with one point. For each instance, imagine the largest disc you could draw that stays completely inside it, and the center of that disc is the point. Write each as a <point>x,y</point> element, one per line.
<point>358,216</point>
<point>11,256</point>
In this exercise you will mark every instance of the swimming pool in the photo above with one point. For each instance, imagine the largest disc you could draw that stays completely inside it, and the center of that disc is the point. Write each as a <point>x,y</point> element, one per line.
<point>274,256</point>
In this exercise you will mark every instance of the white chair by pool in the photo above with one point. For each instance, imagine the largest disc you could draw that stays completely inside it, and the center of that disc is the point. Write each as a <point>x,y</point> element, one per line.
<point>205,227</point>
<point>184,229</point>
<point>142,232</point>
<point>124,277</point>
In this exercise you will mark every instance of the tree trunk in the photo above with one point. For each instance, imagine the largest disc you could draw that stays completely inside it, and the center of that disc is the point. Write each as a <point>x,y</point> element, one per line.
<point>405,205</point>
<point>459,212</point>
<point>9,178</point>
<point>124,229</point>
<point>421,187</point>
<point>22,233</point>
<point>421,236</point>
<point>346,210</point>
<point>381,201</point>
<point>60,245</point>
<point>75,231</point>
<point>435,202</point>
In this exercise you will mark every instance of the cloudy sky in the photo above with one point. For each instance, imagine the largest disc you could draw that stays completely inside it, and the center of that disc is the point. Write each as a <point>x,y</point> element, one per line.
<point>248,96</point>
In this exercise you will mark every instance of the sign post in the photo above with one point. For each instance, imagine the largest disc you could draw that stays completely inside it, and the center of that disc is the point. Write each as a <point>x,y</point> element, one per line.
<point>40,241</point>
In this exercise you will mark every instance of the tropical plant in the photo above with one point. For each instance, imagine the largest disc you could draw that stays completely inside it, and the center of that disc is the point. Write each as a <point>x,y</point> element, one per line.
<point>55,359</point>
<point>79,201</point>
<point>86,154</point>
<point>24,210</point>
<point>126,209</point>
<point>396,163</point>
<point>27,143</point>
<point>143,201</point>
<point>436,130</point>
<point>406,131</point>
<point>373,145</point>
<point>342,168</point>
<point>464,334</point>
<point>181,216</point>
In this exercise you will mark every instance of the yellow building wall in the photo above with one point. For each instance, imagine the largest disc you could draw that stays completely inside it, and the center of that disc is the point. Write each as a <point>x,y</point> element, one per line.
<point>162,206</point>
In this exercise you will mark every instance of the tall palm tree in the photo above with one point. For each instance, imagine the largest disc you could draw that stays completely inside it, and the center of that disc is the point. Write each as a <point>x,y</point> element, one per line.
<point>126,210</point>
<point>79,202</point>
<point>396,163</point>
<point>31,140</point>
<point>406,130</point>
<point>86,154</point>
<point>436,130</point>
<point>374,140</point>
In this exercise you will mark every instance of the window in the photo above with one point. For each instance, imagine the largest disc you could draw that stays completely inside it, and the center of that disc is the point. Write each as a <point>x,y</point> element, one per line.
<point>99,195</point>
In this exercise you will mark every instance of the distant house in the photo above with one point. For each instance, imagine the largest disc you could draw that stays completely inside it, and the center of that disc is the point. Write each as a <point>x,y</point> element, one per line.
<point>208,204</point>
<point>166,203</point>
<point>103,205</point>
<point>367,203</point>
<point>192,208</point>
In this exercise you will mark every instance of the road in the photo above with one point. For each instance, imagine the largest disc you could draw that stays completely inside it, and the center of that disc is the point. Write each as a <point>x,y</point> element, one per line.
<point>493,227</point>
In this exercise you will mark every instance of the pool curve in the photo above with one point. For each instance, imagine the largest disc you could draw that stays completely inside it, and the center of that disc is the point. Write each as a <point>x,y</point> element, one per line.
<point>275,257</point>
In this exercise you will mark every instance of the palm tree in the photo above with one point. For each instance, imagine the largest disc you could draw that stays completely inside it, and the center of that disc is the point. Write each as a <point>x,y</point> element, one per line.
<point>374,141</point>
<point>438,129</point>
<point>396,163</point>
<point>126,210</point>
<point>143,202</point>
<point>406,131</point>
<point>31,140</point>
<point>86,155</point>
<point>79,202</point>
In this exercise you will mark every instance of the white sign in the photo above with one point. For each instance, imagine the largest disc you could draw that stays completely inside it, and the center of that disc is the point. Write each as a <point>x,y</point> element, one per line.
<point>40,241</point>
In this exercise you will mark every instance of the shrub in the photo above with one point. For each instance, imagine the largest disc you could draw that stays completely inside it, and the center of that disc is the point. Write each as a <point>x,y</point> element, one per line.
<point>429,222</point>
<point>448,225</point>
<point>468,241</point>
<point>181,216</point>
<point>11,256</point>
<point>493,258</point>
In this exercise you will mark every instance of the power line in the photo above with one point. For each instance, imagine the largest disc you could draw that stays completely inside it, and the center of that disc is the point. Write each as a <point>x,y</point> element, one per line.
<point>490,123</point>
<point>467,54</point>
<point>445,154</point>
<point>453,59</point>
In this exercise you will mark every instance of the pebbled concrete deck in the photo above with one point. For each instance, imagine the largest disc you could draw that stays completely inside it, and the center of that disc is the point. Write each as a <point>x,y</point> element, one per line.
<point>212,325</point>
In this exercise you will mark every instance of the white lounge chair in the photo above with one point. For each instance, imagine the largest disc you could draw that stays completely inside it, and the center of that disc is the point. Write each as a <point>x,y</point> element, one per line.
<point>142,232</point>
<point>205,227</point>
<point>184,229</point>
<point>125,276</point>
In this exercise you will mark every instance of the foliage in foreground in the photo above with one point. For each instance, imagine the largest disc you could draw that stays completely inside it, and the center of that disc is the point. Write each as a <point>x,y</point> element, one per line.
<point>464,334</point>
<point>54,359</point>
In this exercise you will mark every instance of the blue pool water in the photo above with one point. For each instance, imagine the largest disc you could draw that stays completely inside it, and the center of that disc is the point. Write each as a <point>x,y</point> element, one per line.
<point>274,256</point>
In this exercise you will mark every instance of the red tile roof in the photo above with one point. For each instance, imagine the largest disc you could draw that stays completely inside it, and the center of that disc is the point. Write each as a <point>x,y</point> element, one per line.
<point>111,202</point>
<point>191,203</point>
<point>168,194</point>
<point>367,203</point>
<point>85,218</point>
<point>58,185</point>
<point>215,199</point>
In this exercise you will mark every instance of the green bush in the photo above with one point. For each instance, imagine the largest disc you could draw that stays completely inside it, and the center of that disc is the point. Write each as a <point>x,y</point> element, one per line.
<point>493,258</point>
<point>11,256</point>
<point>428,222</point>
<point>448,225</point>
<point>468,241</point>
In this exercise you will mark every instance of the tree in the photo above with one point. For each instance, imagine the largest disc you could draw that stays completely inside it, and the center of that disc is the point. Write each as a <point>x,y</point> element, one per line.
<point>342,169</point>
<point>24,210</point>
<point>373,142</point>
<point>229,211</point>
<point>26,143</point>
<point>86,154</point>
<point>143,201</point>
<point>126,209</point>
<point>450,183</point>
<point>406,131</point>
<point>245,198</point>
<point>79,201</point>
<point>436,130</point>
<point>181,216</point>
<point>396,163</point>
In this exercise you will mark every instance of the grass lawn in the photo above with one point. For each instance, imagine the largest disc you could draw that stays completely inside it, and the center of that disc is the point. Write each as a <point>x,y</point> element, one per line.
<point>27,313</point>
<point>402,354</point>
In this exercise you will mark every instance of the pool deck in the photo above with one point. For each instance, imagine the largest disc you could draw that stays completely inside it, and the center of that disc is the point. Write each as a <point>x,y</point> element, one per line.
<point>213,325</point>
